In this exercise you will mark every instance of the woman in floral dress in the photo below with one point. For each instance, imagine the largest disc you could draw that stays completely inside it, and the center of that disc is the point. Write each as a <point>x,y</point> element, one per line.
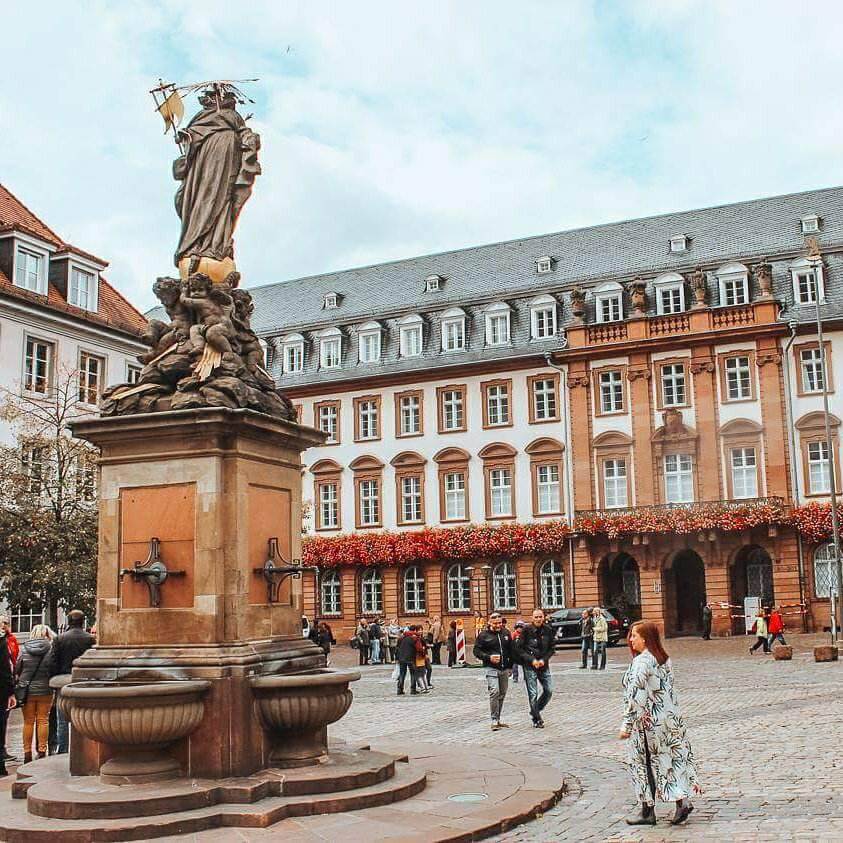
<point>659,755</point>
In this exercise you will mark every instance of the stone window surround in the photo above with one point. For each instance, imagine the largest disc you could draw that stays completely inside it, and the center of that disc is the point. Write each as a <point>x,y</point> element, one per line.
<point>724,381</point>
<point>669,281</point>
<point>367,467</point>
<point>598,402</point>
<point>484,392</point>
<point>733,271</point>
<point>379,417</point>
<point>609,290</point>
<point>402,578</point>
<point>361,575</point>
<point>811,428</point>
<point>742,433</point>
<point>324,472</point>
<point>335,574</point>
<point>408,393</point>
<point>440,408</point>
<point>497,310</point>
<point>499,455</point>
<point>828,367</point>
<point>542,303</point>
<point>101,374</point>
<point>408,464</point>
<point>802,265</point>
<point>451,461</point>
<point>316,421</point>
<point>531,380</point>
<point>686,442</point>
<point>667,361</point>
<point>406,324</point>
<point>52,356</point>
<point>291,341</point>
<point>538,567</point>
<point>452,316</point>
<point>36,247</point>
<point>613,445</point>
<point>546,451</point>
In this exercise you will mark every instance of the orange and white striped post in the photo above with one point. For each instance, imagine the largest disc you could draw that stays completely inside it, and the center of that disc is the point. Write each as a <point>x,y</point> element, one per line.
<point>460,638</point>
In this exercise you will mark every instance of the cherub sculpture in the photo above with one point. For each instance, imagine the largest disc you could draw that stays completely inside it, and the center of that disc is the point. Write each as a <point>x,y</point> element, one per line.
<point>247,342</point>
<point>159,335</point>
<point>213,331</point>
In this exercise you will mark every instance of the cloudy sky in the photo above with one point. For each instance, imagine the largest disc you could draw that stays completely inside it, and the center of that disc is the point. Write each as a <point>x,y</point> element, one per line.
<point>393,129</point>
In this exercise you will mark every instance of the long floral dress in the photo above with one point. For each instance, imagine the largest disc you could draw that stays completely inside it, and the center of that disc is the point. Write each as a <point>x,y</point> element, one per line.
<point>654,721</point>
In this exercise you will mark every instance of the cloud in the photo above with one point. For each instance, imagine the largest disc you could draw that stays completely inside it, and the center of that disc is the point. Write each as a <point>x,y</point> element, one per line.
<point>392,129</point>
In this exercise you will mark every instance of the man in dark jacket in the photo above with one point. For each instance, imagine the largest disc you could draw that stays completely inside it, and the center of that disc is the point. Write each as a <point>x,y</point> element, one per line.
<point>375,636</point>
<point>493,647</point>
<point>7,690</point>
<point>67,647</point>
<point>407,648</point>
<point>587,636</point>
<point>535,648</point>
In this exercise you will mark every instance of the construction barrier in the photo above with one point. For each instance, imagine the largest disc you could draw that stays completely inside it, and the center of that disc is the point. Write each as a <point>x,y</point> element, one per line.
<point>460,637</point>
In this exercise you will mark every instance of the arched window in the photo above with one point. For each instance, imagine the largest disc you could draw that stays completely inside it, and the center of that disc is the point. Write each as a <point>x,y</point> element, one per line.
<point>459,589</point>
<point>552,585</point>
<point>504,587</point>
<point>372,593</point>
<point>415,599</point>
<point>825,570</point>
<point>331,603</point>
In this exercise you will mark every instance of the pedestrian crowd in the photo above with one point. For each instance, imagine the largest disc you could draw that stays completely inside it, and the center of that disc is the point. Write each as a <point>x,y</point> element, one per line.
<point>768,628</point>
<point>31,676</point>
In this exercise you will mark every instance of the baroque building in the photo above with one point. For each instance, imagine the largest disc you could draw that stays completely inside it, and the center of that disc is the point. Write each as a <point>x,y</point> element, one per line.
<point>629,414</point>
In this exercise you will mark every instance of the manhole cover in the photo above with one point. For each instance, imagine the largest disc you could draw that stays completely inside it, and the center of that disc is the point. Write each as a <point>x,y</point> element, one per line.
<point>468,797</point>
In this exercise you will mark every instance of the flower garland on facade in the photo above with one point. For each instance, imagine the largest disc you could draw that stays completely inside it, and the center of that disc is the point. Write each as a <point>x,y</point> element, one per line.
<point>813,520</point>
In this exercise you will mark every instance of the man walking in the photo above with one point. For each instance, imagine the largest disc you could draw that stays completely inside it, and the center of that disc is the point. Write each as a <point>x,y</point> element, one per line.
<point>407,661</point>
<point>493,648</point>
<point>775,627</point>
<point>534,651</point>
<point>66,648</point>
<point>587,634</point>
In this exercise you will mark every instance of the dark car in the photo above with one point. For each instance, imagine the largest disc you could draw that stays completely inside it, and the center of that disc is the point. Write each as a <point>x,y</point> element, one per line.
<point>566,623</point>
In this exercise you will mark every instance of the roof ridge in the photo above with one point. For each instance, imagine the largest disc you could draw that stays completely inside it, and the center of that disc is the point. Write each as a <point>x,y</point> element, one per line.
<point>28,210</point>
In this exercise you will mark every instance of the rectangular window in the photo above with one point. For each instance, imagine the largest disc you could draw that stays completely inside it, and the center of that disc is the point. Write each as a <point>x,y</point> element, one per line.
<point>367,419</point>
<point>806,285</point>
<point>497,405</point>
<point>452,409</point>
<point>819,476</point>
<point>133,374</point>
<point>328,417</point>
<point>90,377</point>
<point>744,473</point>
<point>369,503</point>
<point>410,340</point>
<point>293,358</point>
<point>615,484</point>
<point>738,378</point>
<point>609,308</point>
<point>329,353</point>
<point>670,299</point>
<point>370,347</point>
<point>329,514</point>
<point>32,466</point>
<point>544,322</point>
<point>411,499</point>
<point>453,334</point>
<point>38,366</point>
<point>82,288</point>
<point>409,415</point>
<point>673,385</point>
<point>811,362</point>
<point>500,490</point>
<point>29,270</point>
<point>497,329</point>
<point>454,482</point>
<point>611,392</point>
<point>547,488</point>
<point>678,478</point>
<point>544,399</point>
<point>734,291</point>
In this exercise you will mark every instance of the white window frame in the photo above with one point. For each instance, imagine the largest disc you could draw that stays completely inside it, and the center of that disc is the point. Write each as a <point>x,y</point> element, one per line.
<point>504,587</point>
<point>433,284</point>
<point>369,343</point>
<point>548,489</point>
<point>733,283</point>
<point>453,484</point>
<point>133,373</point>
<point>544,265</point>
<point>739,375</point>
<point>330,301</point>
<point>824,558</point>
<point>368,423</point>
<point>611,395</point>
<point>673,285</point>
<point>369,501</point>
<point>675,378</point>
<point>328,503</point>
<point>608,303</point>
<point>371,592</point>
<point>552,584</point>
<point>678,244</point>
<point>328,418</point>
<point>540,391</point>
<point>819,473</point>
<point>498,325</point>
<point>539,322</point>
<point>453,319</point>
<point>415,591</point>
<point>615,483</point>
<point>29,247</point>
<point>411,499</point>
<point>812,366</point>
<point>292,345</point>
<point>500,491</point>
<point>410,326</point>
<point>810,224</point>
<point>743,463</point>
<point>456,406</point>
<point>49,364</point>
<point>458,586</point>
<point>678,478</point>
<point>409,410</point>
<point>328,339</point>
<point>91,302</point>
<point>498,411</point>
<point>88,381</point>
<point>330,587</point>
<point>802,268</point>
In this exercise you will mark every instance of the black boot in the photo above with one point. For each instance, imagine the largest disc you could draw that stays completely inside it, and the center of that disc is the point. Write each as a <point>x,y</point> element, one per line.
<point>683,810</point>
<point>645,816</point>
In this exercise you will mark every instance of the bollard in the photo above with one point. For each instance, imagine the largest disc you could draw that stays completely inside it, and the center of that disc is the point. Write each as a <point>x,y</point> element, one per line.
<point>782,652</point>
<point>825,653</point>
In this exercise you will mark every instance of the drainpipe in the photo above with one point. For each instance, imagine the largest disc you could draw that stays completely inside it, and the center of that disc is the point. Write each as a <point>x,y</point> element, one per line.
<point>569,480</point>
<point>794,475</point>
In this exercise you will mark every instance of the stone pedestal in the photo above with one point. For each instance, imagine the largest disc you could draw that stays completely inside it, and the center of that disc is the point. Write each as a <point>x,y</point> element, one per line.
<point>213,486</point>
<point>782,652</point>
<point>825,653</point>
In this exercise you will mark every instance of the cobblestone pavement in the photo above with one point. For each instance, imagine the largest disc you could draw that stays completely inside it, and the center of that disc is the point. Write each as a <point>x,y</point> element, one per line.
<point>767,734</point>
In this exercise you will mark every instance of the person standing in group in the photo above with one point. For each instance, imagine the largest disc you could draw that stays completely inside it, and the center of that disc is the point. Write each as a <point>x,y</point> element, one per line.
<point>66,648</point>
<point>706,619</point>
<point>775,628</point>
<point>452,644</point>
<point>13,650</point>
<point>393,633</point>
<point>437,632</point>
<point>424,671</point>
<point>7,698</point>
<point>760,630</point>
<point>407,660</point>
<point>535,648</point>
<point>363,641</point>
<point>375,635</point>
<point>493,648</point>
<point>324,639</point>
<point>600,627</point>
<point>587,635</point>
<point>32,690</point>
<point>659,754</point>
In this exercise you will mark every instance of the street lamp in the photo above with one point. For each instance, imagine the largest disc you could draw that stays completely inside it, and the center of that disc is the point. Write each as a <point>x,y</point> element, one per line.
<point>815,259</point>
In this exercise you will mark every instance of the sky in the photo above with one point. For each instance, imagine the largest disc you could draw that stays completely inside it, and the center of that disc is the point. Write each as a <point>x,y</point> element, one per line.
<point>393,129</point>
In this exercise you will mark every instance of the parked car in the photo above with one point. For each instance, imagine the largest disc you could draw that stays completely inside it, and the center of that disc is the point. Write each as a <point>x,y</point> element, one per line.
<point>566,623</point>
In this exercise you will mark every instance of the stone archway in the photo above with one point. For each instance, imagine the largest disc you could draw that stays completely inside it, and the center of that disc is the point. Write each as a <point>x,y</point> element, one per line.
<point>750,575</point>
<point>686,594</point>
<point>620,584</point>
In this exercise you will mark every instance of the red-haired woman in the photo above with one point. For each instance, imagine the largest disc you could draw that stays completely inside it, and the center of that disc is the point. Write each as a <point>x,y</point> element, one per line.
<point>659,755</point>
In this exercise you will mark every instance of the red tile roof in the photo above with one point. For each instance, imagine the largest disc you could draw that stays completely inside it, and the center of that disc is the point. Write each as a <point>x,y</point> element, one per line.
<point>113,310</point>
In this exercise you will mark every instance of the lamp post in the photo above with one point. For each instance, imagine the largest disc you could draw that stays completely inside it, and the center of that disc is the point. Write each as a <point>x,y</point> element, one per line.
<point>815,259</point>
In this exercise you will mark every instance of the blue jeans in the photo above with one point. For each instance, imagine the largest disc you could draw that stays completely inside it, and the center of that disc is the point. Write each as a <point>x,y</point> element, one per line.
<point>376,650</point>
<point>532,679</point>
<point>62,732</point>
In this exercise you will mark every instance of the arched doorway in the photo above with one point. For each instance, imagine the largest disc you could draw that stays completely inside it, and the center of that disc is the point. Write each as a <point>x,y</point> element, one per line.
<point>620,585</point>
<point>686,594</point>
<point>751,575</point>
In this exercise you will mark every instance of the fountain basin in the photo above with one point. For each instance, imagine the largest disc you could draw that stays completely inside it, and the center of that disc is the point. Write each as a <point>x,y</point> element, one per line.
<point>295,710</point>
<point>137,722</point>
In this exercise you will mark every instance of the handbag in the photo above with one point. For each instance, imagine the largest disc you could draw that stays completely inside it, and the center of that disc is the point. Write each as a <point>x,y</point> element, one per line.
<point>22,690</point>
<point>355,643</point>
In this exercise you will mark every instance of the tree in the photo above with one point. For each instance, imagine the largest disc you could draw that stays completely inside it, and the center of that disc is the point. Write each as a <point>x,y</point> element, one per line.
<point>48,507</point>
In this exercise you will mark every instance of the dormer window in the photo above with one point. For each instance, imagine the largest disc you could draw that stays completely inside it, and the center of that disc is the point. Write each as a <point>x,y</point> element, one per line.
<point>331,301</point>
<point>807,281</point>
<point>83,289</point>
<point>370,343</point>
<point>410,336</point>
<point>543,318</point>
<point>670,293</point>
<point>330,348</point>
<point>679,243</point>
<point>433,283</point>
<point>608,303</point>
<point>30,269</point>
<point>497,324</point>
<point>810,224</point>
<point>293,354</point>
<point>453,330</point>
<point>733,279</point>
<point>544,264</point>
